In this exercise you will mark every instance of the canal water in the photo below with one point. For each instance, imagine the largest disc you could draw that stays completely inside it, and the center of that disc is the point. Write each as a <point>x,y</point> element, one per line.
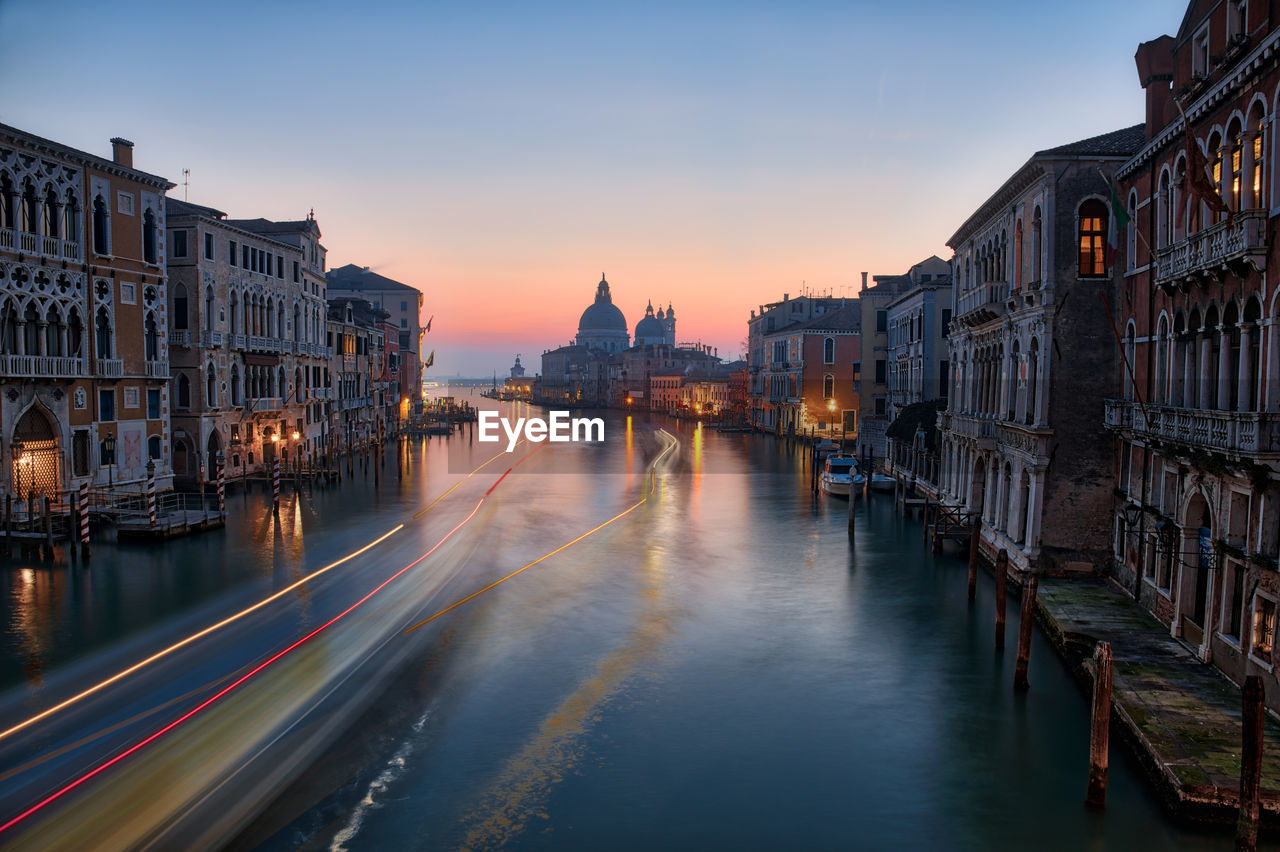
<point>717,668</point>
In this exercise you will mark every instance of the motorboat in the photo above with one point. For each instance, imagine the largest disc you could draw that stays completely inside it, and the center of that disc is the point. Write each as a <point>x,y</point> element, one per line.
<point>841,477</point>
<point>882,482</point>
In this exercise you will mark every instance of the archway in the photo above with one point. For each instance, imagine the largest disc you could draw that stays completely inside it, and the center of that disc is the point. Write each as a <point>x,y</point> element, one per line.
<point>36,460</point>
<point>977,485</point>
<point>1197,566</point>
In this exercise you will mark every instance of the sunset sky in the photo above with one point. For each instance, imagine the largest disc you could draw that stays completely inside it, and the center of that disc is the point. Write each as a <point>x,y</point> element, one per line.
<point>500,156</point>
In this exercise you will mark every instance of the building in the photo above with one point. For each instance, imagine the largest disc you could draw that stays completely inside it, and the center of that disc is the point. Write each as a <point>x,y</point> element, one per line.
<point>602,326</point>
<point>84,357</point>
<point>705,397</point>
<point>809,374</point>
<point>248,352</point>
<point>358,408</point>
<point>517,369</point>
<point>403,304</point>
<point>766,394</point>
<point>659,328</point>
<point>664,391</point>
<point>630,371</point>
<point>1029,340</point>
<point>1194,518</point>
<point>573,375</point>
<point>916,337</point>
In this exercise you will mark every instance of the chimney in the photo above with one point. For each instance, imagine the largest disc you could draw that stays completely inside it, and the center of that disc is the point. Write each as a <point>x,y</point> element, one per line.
<point>864,281</point>
<point>1155,74</point>
<point>786,297</point>
<point>122,152</point>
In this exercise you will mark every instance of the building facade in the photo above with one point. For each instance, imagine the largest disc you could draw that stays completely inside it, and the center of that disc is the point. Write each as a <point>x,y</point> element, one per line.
<point>403,304</point>
<point>602,326</point>
<point>1030,346</point>
<point>771,379</point>
<point>83,293</point>
<point>1194,517</point>
<point>918,369</point>
<point>808,377</point>
<point>358,407</point>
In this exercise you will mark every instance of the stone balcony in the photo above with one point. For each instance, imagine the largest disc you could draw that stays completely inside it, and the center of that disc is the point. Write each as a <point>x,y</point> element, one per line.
<point>110,368</point>
<point>36,244</point>
<point>1205,255</point>
<point>210,338</point>
<point>1244,433</point>
<point>982,303</point>
<point>980,429</point>
<point>41,366</point>
<point>180,337</point>
<point>261,404</point>
<point>157,369</point>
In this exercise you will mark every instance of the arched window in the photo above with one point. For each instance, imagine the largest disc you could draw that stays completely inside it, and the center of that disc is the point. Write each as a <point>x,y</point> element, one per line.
<point>31,330</point>
<point>211,388</point>
<point>1179,209</point>
<point>235,385</point>
<point>180,307</point>
<point>1093,239</point>
<point>75,334</point>
<point>149,236</point>
<point>208,309</point>
<point>1160,393</point>
<point>1236,185</point>
<point>30,215</point>
<point>1131,233</point>
<point>1015,363</point>
<point>1130,354</point>
<point>184,391</point>
<point>101,242</point>
<point>52,213</point>
<point>233,308</point>
<point>1033,382</point>
<point>1258,121</point>
<point>829,350</point>
<point>1215,164</point>
<point>1017,256</point>
<point>103,340</point>
<point>9,329</point>
<point>53,332</point>
<point>151,338</point>
<point>280,385</point>
<point>71,217</point>
<point>8,201</point>
<point>828,386</point>
<point>1036,249</point>
<point>1163,209</point>
<point>153,448</point>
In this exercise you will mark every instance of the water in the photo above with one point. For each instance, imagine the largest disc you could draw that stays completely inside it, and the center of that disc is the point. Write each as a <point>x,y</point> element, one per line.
<point>716,669</point>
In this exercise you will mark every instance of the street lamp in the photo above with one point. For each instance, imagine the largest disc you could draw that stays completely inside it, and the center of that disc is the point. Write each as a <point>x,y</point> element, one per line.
<point>831,407</point>
<point>109,445</point>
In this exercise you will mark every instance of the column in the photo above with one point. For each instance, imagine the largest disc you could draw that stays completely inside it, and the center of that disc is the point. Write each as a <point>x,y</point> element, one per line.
<point>1246,171</point>
<point>1206,349</point>
<point>1246,365</point>
<point>1187,398</point>
<point>1224,369</point>
<point>1269,400</point>
<point>1032,512</point>
<point>1015,505</point>
<point>42,338</point>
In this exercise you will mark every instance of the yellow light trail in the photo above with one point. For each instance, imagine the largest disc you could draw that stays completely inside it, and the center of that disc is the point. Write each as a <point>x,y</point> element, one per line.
<point>159,655</point>
<point>643,499</point>
<point>464,479</point>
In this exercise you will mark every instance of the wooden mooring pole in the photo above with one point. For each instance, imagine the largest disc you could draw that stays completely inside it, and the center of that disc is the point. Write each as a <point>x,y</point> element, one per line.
<point>1026,620</point>
<point>924,521</point>
<point>975,541</point>
<point>1100,725</point>
<point>853,502</point>
<point>1002,580</point>
<point>1250,763</point>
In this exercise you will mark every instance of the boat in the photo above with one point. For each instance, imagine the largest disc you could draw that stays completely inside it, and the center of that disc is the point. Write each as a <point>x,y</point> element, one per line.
<point>841,477</point>
<point>882,482</point>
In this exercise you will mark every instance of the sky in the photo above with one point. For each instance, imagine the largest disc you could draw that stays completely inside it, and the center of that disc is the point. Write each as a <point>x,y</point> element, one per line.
<point>500,156</point>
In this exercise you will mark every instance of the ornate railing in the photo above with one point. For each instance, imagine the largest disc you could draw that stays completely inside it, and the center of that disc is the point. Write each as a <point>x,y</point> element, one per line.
<point>1243,237</point>
<point>1246,432</point>
<point>157,369</point>
<point>53,366</point>
<point>985,296</point>
<point>180,337</point>
<point>111,368</point>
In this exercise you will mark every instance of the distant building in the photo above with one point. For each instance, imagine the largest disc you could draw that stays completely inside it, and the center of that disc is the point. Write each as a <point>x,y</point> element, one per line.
<point>403,304</point>
<point>916,350</point>
<point>809,374</point>
<point>573,375</point>
<point>656,329</point>
<point>517,369</point>
<point>629,371</point>
<point>84,354</point>
<point>602,326</point>
<point>356,416</point>
<point>767,392</point>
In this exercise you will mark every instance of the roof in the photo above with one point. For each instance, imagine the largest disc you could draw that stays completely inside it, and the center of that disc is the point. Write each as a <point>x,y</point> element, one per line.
<point>266,226</point>
<point>848,318</point>
<point>56,149</point>
<point>177,207</point>
<point>1117,143</point>
<point>359,278</point>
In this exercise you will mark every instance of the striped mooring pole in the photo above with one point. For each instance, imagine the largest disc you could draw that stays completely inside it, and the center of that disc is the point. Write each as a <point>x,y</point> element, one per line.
<point>275,483</point>
<point>222,486</point>
<point>84,517</point>
<point>151,495</point>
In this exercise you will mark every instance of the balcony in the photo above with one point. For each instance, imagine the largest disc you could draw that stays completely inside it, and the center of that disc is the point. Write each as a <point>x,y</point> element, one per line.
<point>980,429</point>
<point>262,404</point>
<point>210,338</point>
<point>982,304</point>
<point>1215,249</point>
<point>110,368</point>
<point>1239,433</point>
<point>236,341</point>
<point>50,247</point>
<point>45,366</point>
<point>157,369</point>
<point>180,337</point>
<point>322,393</point>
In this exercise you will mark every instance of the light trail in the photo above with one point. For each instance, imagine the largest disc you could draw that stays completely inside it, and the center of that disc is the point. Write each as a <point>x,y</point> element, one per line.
<point>427,508</point>
<point>643,499</point>
<point>208,702</point>
<point>159,655</point>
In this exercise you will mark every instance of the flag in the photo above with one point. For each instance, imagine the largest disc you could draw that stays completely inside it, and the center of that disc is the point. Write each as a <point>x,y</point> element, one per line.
<point>433,316</point>
<point>431,359</point>
<point>1197,183</point>
<point>1119,219</point>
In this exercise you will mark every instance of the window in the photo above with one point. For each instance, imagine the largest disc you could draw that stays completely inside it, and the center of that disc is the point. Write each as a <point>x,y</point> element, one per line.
<point>244,258</point>
<point>180,243</point>
<point>1093,235</point>
<point>1259,196</point>
<point>80,453</point>
<point>231,252</point>
<point>295,272</point>
<point>946,320</point>
<point>828,386</point>
<point>208,246</point>
<point>881,410</point>
<point>106,405</point>
<point>280,267</point>
<point>153,403</point>
<point>180,307</point>
<point>101,243</point>
<point>880,371</point>
<point>944,378</point>
<point>882,320</point>
<point>404,323</point>
<point>1234,603</point>
<point>153,448</point>
<point>103,336</point>
<point>184,391</point>
<point>1264,627</point>
<point>1200,53</point>
<point>150,252</point>
<point>829,351</point>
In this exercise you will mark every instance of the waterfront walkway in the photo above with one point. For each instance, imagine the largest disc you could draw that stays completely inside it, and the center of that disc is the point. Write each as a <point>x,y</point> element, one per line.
<point>1182,715</point>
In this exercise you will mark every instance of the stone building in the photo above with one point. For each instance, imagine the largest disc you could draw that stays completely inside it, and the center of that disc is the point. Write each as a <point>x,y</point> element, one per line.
<point>1194,517</point>
<point>573,375</point>
<point>359,400</point>
<point>84,357</point>
<point>808,374</point>
<point>767,398</point>
<point>918,369</point>
<point>1030,349</point>
<point>249,356</point>
<point>602,326</point>
<point>403,304</point>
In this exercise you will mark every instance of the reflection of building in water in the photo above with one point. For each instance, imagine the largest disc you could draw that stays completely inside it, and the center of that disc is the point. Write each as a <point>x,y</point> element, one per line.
<point>84,354</point>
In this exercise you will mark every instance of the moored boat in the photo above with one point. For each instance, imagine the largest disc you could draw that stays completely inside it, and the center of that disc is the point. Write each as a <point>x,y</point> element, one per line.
<point>841,477</point>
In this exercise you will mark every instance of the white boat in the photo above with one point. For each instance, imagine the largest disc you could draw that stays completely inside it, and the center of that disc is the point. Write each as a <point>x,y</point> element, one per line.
<point>882,482</point>
<point>840,476</point>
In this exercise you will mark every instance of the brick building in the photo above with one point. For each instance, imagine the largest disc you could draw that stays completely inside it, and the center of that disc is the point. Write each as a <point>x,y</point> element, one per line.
<point>83,293</point>
<point>1030,349</point>
<point>1194,519</point>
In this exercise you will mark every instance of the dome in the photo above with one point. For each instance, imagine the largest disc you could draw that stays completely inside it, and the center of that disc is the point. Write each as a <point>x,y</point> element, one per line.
<point>603,314</point>
<point>649,328</point>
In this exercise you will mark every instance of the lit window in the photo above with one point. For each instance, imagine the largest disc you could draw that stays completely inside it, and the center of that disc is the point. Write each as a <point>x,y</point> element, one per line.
<point>1264,626</point>
<point>1093,235</point>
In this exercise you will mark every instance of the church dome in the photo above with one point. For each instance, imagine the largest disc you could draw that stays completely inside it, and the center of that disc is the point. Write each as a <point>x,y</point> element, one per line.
<point>603,314</point>
<point>649,329</point>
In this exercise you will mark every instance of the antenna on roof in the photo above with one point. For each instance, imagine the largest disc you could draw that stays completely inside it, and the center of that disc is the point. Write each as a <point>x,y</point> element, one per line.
<point>186,181</point>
